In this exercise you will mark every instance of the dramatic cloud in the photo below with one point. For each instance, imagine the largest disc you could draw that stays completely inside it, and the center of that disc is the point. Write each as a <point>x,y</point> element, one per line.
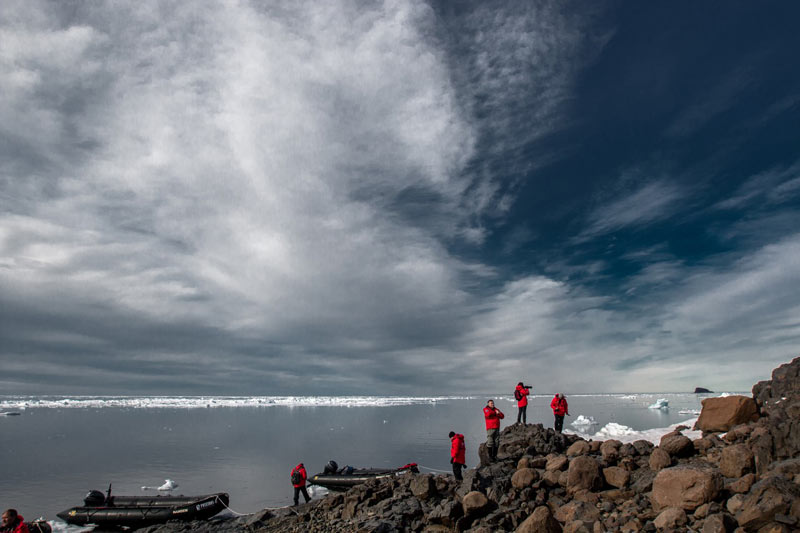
<point>247,197</point>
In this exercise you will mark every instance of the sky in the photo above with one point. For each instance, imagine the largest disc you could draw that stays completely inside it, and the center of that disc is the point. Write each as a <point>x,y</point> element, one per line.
<point>399,197</point>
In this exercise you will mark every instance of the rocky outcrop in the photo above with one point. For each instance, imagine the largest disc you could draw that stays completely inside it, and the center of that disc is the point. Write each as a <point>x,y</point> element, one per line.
<point>701,390</point>
<point>779,401</point>
<point>747,480</point>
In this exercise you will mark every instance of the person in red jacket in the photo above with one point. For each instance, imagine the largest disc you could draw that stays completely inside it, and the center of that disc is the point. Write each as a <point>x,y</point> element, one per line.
<point>493,415</point>
<point>521,395</point>
<point>298,477</point>
<point>13,522</point>
<point>458,453</point>
<point>560,408</point>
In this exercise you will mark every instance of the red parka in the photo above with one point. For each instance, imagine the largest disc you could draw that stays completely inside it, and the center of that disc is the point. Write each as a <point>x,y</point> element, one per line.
<point>523,396</point>
<point>492,417</point>
<point>20,526</point>
<point>458,451</point>
<point>559,406</point>
<point>302,469</point>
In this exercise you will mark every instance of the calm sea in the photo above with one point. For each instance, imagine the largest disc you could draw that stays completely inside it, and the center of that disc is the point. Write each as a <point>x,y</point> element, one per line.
<point>57,449</point>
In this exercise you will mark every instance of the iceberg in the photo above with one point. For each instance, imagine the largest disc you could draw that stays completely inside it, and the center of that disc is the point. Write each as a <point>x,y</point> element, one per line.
<point>584,421</point>
<point>661,403</point>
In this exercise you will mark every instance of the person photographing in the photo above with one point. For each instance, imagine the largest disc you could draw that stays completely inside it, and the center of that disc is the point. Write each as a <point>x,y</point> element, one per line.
<point>521,395</point>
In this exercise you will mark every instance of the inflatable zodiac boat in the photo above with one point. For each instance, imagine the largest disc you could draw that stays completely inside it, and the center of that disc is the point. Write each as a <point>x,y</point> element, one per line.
<point>141,511</point>
<point>334,478</point>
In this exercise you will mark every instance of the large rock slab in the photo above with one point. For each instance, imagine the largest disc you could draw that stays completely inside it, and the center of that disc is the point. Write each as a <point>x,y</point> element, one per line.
<point>687,487</point>
<point>721,414</point>
<point>616,476</point>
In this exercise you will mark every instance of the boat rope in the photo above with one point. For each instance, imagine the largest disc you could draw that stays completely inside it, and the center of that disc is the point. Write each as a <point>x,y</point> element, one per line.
<point>225,505</point>
<point>434,469</point>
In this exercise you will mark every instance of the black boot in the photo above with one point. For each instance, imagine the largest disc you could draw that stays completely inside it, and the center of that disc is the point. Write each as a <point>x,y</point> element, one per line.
<point>494,453</point>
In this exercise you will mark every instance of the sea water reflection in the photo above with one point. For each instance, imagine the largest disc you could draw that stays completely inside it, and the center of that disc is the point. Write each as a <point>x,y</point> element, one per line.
<point>52,456</point>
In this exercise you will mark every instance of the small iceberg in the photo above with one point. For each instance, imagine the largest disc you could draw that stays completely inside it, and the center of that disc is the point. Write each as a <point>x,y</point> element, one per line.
<point>661,403</point>
<point>167,486</point>
<point>612,430</point>
<point>584,421</point>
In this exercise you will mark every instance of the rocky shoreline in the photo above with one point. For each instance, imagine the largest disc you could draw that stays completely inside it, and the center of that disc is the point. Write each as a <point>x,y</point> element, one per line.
<point>743,475</point>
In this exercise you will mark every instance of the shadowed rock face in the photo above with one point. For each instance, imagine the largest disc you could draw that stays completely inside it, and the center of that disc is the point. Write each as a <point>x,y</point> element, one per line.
<point>748,480</point>
<point>779,400</point>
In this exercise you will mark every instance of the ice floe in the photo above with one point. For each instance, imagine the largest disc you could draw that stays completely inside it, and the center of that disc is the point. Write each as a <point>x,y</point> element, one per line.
<point>661,403</point>
<point>584,421</point>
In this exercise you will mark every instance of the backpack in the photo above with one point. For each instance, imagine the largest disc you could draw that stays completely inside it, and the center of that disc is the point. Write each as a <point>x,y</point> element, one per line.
<point>296,477</point>
<point>517,395</point>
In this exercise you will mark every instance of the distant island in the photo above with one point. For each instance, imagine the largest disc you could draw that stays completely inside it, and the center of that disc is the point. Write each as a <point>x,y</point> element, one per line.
<point>698,390</point>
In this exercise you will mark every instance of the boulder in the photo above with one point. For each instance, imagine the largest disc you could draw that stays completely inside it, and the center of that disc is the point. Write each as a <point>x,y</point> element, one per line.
<point>475,504</point>
<point>609,450</point>
<point>742,485</point>
<point>616,476</point>
<point>577,510</point>
<point>583,473</point>
<point>659,459</point>
<point>540,521</point>
<point>687,487</point>
<point>422,486</point>
<point>556,462</point>
<point>719,523</point>
<point>736,461</point>
<point>579,447</point>
<point>767,498</point>
<point>721,414</point>
<point>677,445</point>
<point>524,477</point>
<point>671,518</point>
<point>642,447</point>
<point>446,513</point>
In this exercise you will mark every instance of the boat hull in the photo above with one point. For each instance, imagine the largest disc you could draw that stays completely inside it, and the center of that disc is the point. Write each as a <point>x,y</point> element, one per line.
<point>135,512</point>
<point>342,482</point>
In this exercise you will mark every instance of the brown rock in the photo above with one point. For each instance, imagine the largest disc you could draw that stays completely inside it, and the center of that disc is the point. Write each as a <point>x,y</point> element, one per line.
<point>742,485</point>
<point>659,459</point>
<point>687,487</point>
<point>767,498</point>
<point>579,447</point>
<point>557,462</point>
<point>475,503</point>
<point>677,445</point>
<point>524,462</point>
<point>595,445</point>
<point>524,477</point>
<point>583,473</point>
<point>616,476</point>
<point>551,478</point>
<point>540,521</point>
<point>577,527</point>
<point>577,510</point>
<point>719,523</point>
<point>609,450</point>
<point>422,486</point>
<point>734,503</point>
<point>721,414</point>
<point>563,478</point>
<point>736,461</point>
<point>670,518</point>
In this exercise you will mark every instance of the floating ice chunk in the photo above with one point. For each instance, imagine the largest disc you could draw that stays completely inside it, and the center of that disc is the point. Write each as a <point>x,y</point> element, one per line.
<point>661,403</point>
<point>614,430</point>
<point>584,421</point>
<point>689,412</point>
<point>168,485</point>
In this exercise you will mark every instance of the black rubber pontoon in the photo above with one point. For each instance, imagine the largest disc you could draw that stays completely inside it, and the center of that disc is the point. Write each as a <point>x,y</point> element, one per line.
<point>141,511</point>
<point>350,477</point>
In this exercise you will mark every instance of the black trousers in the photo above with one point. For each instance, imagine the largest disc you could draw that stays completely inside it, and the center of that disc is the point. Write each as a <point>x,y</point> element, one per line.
<point>297,491</point>
<point>559,423</point>
<point>457,470</point>
<point>522,414</point>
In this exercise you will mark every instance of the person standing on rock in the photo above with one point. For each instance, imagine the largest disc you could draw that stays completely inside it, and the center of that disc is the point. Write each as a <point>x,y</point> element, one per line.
<point>458,453</point>
<point>521,395</point>
<point>493,415</point>
<point>560,408</point>
<point>298,478</point>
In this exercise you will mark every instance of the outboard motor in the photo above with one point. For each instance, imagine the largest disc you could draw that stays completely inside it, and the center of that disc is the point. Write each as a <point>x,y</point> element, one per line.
<point>94,498</point>
<point>331,468</point>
